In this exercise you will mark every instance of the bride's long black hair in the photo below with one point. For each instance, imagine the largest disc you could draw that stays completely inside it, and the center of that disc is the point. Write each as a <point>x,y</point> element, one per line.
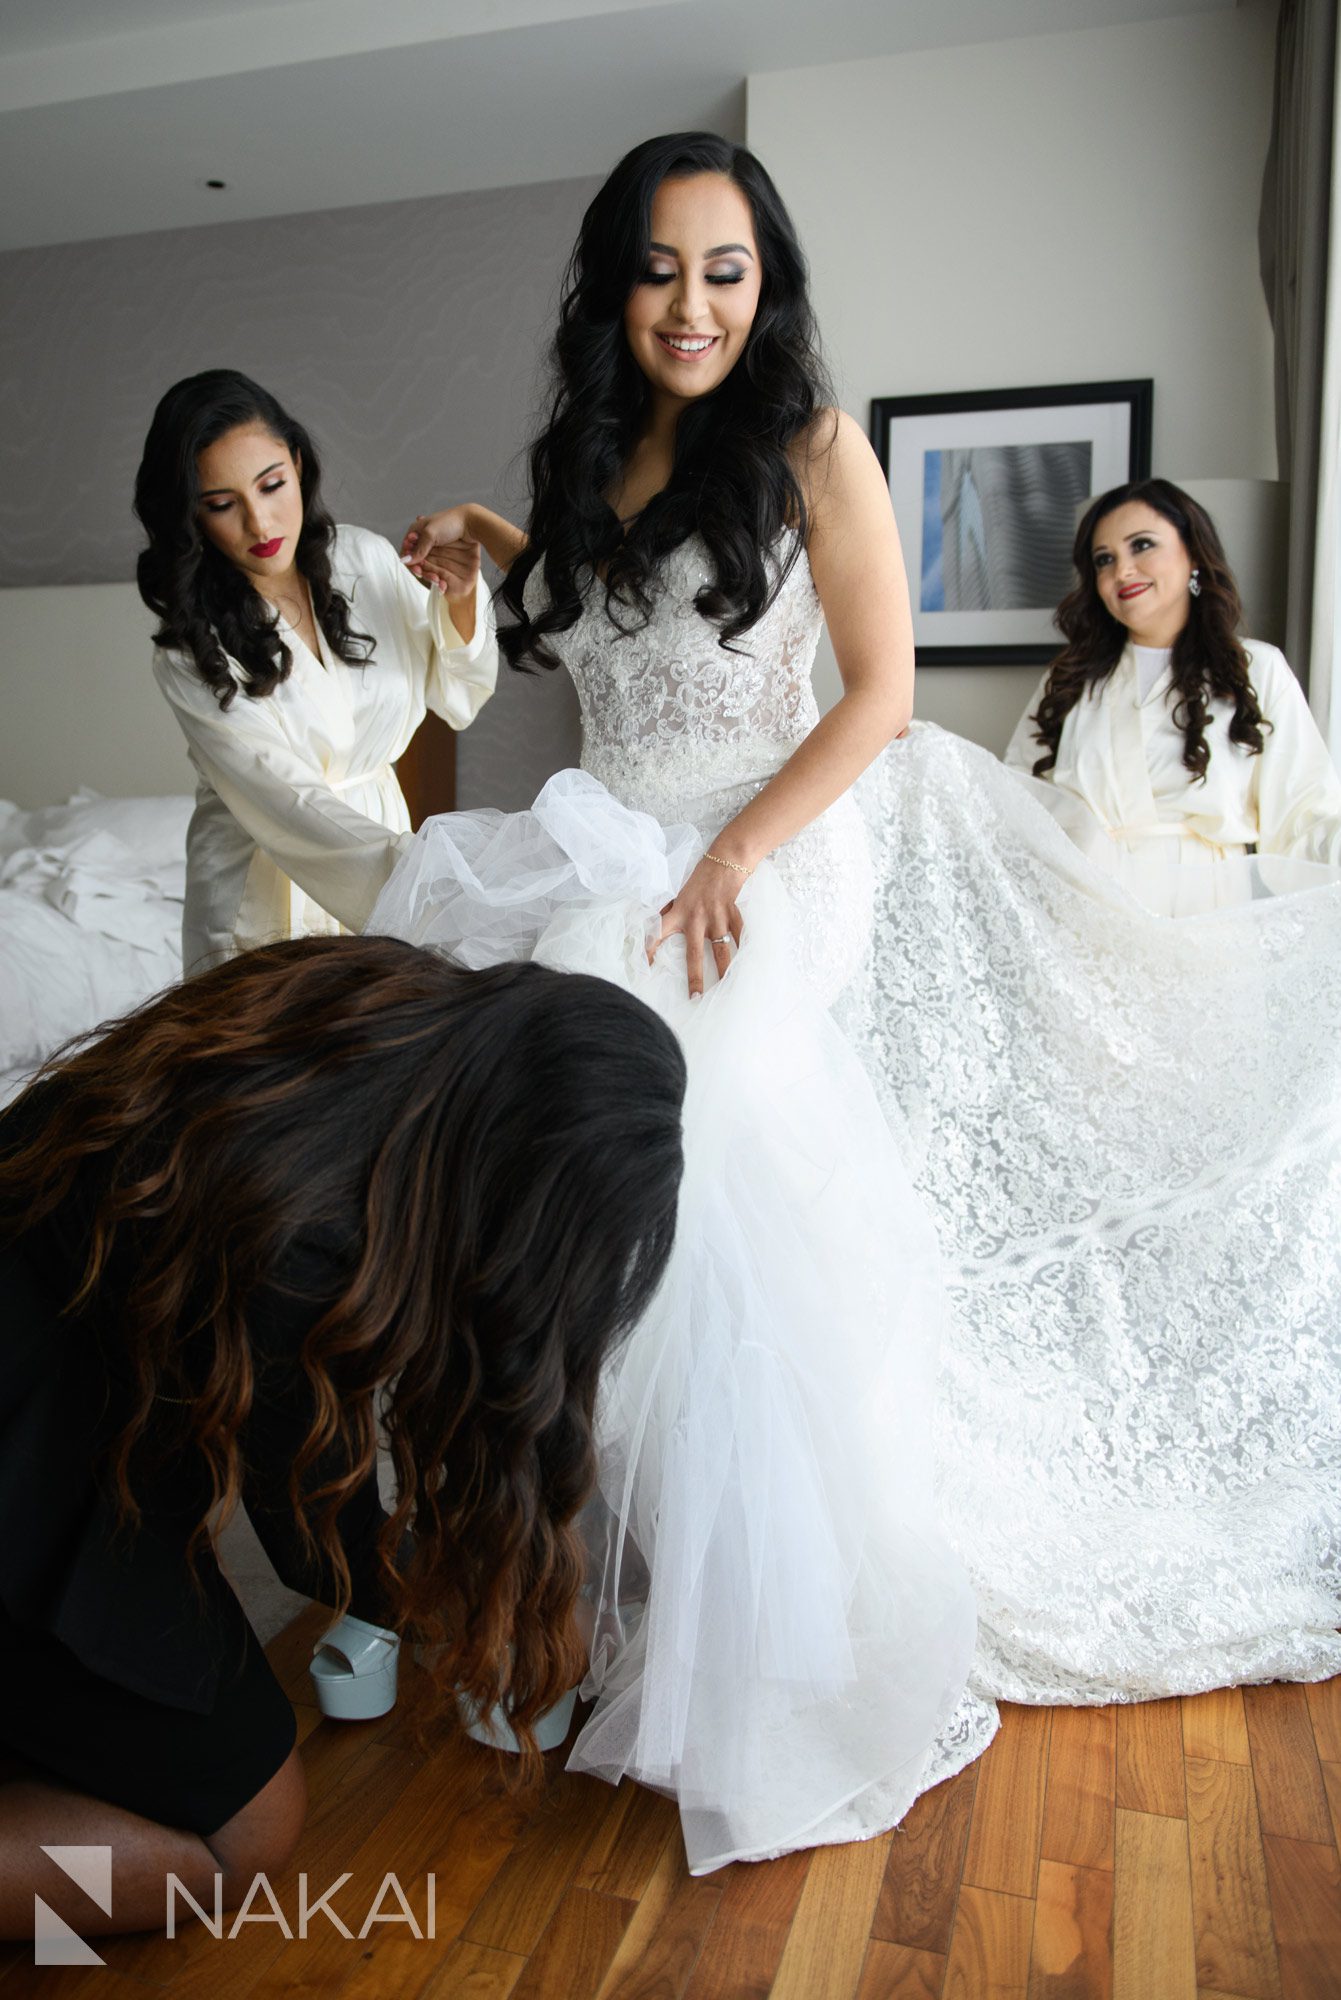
<point>733,482</point>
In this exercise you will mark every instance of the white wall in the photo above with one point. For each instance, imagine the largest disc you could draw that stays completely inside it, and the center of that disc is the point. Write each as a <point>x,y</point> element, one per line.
<point>1075,207</point>
<point>80,705</point>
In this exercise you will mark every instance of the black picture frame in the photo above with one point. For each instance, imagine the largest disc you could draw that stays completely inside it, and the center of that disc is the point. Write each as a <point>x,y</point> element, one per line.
<point>1039,452</point>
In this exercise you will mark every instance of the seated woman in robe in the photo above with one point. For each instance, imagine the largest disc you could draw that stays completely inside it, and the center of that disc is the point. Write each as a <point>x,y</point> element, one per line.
<point>330,1183</point>
<point>299,659</point>
<point>1177,744</point>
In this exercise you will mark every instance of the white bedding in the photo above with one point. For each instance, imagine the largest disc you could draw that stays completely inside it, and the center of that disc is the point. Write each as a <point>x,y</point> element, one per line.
<point>90,918</point>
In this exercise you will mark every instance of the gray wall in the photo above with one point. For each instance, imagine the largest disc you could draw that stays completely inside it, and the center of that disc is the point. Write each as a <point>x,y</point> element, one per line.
<point>1077,207</point>
<point>408,337</point>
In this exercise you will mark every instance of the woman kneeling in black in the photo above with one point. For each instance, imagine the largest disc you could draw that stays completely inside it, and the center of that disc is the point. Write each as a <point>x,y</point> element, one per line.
<point>333,1180</point>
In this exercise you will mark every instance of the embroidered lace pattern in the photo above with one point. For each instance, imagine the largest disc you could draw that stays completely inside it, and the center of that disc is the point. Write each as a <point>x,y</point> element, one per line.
<point>679,726</point>
<point>1128,1130</point>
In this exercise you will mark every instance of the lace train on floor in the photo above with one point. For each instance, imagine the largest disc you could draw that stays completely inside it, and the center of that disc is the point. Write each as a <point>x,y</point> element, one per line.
<point>1127,1128</point>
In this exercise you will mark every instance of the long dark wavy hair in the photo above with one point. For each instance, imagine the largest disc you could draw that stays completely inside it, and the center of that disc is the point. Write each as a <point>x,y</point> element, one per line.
<point>501,1152</point>
<point>733,482</point>
<point>1208,659</point>
<point>205,606</point>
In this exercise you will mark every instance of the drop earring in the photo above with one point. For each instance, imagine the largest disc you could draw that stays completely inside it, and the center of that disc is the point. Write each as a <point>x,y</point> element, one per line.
<point>1194,583</point>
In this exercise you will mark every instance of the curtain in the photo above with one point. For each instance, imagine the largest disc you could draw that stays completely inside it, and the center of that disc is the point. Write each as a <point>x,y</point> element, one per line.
<point>1301,206</point>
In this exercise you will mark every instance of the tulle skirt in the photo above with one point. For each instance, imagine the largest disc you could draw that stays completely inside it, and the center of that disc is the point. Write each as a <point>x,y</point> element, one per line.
<point>782,1635</point>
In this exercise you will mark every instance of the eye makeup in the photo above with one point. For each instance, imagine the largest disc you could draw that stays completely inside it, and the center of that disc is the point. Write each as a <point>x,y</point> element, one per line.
<point>222,506</point>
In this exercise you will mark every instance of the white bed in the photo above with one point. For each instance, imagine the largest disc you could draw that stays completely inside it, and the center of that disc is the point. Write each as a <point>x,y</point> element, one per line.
<point>90,918</point>
<point>91,887</point>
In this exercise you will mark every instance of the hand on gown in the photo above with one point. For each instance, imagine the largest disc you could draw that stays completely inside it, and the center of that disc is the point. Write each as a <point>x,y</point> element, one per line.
<point>704,912</point>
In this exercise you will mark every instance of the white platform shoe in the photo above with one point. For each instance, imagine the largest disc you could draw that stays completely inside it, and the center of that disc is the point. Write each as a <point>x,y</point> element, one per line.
<point>495,1731</point>
<point>354,1670</point>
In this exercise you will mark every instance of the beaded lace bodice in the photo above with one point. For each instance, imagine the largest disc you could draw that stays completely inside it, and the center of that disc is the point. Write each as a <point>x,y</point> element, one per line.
<point>677,725</point>
<point>669,715</point>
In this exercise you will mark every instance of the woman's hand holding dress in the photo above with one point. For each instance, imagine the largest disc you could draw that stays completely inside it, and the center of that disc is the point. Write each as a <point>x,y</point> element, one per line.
<point>705,912</point>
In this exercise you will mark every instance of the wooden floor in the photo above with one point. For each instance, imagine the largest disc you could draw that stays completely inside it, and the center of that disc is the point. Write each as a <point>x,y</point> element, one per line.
<point>1175,1850</point>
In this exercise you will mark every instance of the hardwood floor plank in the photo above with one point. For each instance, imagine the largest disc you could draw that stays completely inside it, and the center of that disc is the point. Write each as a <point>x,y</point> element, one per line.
<point>1324,1707</point>
<point>573,1956</point>
<point>1231,1913</point>
<point>745,1942</point>
<point>624,1850</point>
<point>1331,1784</point>
<point>474,1972</point>
<point>926,1858</point>
<point>352,1808</point>
<point>1072,1955</point>
<point>73,1982</point>
<point>1150,1758</point>
<point>1305,1885</point>
<point>1214,1725</point>
<point>523,1896</point>
<point>1290,1797</point>
<point>897,1972</point>
<point>457,1822</point>
<point>1154,1948</point>
<point>826,1945</point>
<point>1081,1788</point>
<point>1007,1824</point>
<point>989,1950</point>
<point>657,1953</point>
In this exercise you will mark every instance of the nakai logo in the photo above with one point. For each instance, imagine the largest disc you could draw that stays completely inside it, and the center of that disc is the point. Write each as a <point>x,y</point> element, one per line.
<point>55,1943</point>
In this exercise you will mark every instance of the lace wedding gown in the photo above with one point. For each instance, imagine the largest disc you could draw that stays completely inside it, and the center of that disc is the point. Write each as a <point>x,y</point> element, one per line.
<point>1127,1129</point>
<point>783,1637</point>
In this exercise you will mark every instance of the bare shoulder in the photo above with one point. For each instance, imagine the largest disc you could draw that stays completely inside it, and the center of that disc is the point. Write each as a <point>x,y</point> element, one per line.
<point>840,474</point>
<point>831,447</point>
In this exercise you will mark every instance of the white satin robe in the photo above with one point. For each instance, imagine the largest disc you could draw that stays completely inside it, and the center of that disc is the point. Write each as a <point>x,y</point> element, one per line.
<point>299,818</point>
<point>1131,803</point>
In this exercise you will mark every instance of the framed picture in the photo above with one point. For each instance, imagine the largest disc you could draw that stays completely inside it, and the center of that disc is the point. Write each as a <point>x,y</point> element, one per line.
<point>987,487</point>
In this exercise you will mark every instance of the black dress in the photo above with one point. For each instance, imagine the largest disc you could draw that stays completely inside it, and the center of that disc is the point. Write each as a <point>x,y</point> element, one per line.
<point>126,1675</point>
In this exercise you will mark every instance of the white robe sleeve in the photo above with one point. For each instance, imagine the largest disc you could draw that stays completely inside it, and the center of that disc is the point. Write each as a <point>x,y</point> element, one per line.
<point>337,856</point>
<point>1024,749</point>
<point>460,674</point>
<point>1298,790</point>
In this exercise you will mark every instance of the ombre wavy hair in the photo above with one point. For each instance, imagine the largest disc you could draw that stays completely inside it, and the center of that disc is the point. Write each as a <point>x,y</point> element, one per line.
<point>1208,658</point>
<point>733,481</point>
<point>501,1153</point>
<point>205,606</point>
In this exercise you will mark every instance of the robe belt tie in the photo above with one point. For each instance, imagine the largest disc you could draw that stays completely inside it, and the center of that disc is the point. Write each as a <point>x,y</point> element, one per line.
<point>378,775</point>
<point>1175,829</point>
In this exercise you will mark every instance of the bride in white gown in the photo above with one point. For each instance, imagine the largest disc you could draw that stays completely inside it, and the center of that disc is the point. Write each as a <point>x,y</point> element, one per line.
<point>782,1637</point>
<point>1126,1127</point>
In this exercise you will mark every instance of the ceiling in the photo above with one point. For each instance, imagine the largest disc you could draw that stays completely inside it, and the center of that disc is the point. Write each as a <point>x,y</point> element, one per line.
<point>114,114</point>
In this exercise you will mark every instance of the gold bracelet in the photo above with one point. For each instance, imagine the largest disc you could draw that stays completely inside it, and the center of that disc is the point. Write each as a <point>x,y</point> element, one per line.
<point>734,865</point>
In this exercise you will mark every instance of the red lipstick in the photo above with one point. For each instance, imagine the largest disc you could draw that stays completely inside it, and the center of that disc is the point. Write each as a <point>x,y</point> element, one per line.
<point>266,549</point>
